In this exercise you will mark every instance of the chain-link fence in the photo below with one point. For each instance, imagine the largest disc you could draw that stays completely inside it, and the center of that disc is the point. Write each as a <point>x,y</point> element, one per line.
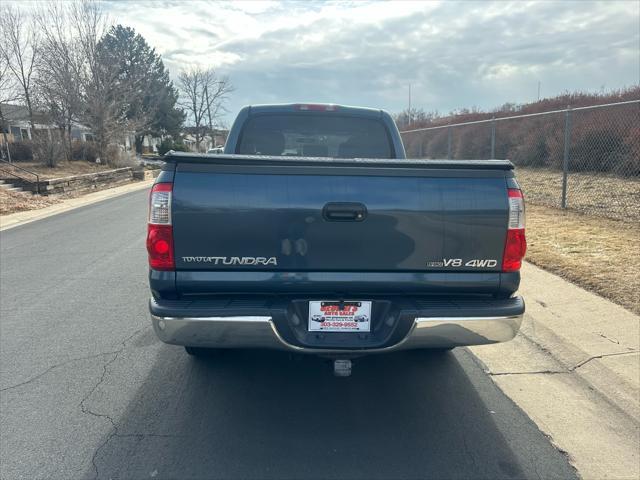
<point>586,158</point>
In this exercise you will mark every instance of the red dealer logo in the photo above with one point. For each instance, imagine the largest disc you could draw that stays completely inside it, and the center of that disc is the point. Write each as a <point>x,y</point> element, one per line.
<point>347,310</point>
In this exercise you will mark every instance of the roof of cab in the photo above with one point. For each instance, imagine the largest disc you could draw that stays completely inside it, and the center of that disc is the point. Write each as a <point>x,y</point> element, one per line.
<point>313,107</point>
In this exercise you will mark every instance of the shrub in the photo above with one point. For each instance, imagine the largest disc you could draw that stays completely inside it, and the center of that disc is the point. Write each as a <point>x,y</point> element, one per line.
<point>117,157</point>
<point>180,147</point>
<point>84,151</point>
<point>165,146</point>
<point>601,140</point>
<point>168,144</point>
<point>47,151</point>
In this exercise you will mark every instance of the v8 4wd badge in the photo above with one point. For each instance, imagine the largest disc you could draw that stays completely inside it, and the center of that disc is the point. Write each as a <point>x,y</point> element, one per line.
<point>459,262</point>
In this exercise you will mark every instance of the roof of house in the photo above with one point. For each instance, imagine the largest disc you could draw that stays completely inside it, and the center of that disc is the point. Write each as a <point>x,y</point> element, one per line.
<point>19,113</point>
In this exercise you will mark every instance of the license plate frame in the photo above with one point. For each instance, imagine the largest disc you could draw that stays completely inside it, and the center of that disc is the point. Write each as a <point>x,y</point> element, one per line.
<point>353,316</point>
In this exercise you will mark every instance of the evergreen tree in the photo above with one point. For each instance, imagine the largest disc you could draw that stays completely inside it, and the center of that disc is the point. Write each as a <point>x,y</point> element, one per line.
<point>151,106</point>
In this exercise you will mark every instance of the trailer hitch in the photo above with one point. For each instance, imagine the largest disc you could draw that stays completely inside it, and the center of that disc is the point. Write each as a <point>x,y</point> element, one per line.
<point>342,367</point>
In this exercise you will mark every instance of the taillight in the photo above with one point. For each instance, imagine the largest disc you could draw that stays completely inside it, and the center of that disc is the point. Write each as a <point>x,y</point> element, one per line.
<point>160,231</point>
<point>516,244</point>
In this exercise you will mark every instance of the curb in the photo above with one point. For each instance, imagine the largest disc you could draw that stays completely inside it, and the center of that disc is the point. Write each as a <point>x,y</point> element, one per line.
<point>601,380</point>
<point>574,369</point>
<point>591,370</point>
<point>597,358</point>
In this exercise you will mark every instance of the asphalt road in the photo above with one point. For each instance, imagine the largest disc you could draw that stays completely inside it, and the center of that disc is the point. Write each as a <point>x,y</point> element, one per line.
<point>87,391</point>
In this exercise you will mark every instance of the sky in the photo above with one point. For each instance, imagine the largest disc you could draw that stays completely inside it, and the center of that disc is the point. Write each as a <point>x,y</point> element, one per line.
<point>453,54</point>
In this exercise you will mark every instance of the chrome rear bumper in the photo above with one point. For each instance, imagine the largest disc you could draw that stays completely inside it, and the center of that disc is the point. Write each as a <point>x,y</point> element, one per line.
<point>261,332</point>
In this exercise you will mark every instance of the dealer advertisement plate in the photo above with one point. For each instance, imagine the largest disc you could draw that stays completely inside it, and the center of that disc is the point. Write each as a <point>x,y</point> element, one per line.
<point>332,316</point>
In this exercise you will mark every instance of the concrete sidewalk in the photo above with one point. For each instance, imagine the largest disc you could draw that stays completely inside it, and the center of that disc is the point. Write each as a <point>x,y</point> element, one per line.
<point>575,370</point>
<point>20,218</point>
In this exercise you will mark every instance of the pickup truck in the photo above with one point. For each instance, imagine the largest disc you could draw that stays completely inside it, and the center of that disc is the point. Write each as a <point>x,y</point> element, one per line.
<point>313,233</point>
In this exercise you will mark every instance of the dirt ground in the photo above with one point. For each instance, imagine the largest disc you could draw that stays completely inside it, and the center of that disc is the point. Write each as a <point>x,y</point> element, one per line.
<point>598,254</point>
<point>11,202</point>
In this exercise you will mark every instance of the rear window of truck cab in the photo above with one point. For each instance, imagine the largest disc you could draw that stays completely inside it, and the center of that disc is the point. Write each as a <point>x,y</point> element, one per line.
<point>318,135</point>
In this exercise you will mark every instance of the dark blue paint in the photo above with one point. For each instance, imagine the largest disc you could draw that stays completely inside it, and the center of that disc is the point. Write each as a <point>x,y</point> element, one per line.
<point>409,220</point>
<point>412,217</point>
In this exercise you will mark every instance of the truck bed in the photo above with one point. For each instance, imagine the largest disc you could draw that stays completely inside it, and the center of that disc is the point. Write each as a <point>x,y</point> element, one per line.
<point>395,163</point>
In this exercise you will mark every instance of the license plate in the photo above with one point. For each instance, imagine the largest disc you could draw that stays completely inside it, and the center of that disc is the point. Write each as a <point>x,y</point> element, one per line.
<point>327,316</point>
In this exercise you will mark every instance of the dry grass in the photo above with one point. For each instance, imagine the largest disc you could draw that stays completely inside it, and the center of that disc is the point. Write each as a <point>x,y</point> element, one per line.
<point>11,202</point>
<point>598,254</point>
<point>593,193</point>
<point>64,169</point>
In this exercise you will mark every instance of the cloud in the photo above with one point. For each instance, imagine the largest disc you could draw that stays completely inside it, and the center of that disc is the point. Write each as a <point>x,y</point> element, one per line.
<point>367,53</point>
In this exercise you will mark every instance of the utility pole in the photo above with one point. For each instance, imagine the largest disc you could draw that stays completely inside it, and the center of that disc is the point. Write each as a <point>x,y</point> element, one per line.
<point>538,90</point>
<point>206,98</point>
<point>565,159</point>
<point>409,111</point>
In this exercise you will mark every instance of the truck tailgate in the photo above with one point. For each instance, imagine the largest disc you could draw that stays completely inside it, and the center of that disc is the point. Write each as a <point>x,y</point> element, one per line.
<point>280,215</point>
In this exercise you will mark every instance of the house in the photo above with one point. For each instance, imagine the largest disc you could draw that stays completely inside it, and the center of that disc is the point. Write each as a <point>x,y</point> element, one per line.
<point>207,142</point>
<point>14,122</point>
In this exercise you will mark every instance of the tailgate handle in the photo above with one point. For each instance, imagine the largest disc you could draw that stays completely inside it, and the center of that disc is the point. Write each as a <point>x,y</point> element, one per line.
<point>344,212</point>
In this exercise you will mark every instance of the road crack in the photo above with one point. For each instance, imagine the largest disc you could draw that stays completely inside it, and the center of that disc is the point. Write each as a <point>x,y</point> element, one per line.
<point>569,370</point>
<point>69,361</point>
<point>595,357</point>
<point>53,367</point>
<point>612,340</point>
<point>538,372</point>
<point>148,435</point>
<point>86,410</point>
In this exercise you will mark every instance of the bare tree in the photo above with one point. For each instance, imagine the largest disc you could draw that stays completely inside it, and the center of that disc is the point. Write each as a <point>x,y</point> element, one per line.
<point>77,80</point>
<point>414,117</point>
<point>203,96</point>
<point>105,96</point>
<point>61,58</point>
<point>20,48</point>
<point>59,69</point>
